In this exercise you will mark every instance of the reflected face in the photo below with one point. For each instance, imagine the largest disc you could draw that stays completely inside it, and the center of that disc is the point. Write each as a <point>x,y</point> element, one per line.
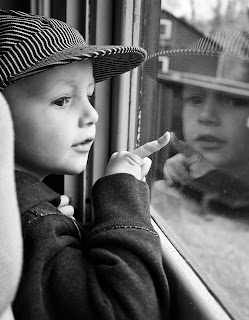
<point>215,124</point>
<point>54,120</point>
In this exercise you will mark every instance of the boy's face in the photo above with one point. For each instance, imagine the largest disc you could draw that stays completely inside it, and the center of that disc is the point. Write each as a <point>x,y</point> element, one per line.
<point>215,123</point>
<point>54,120</point>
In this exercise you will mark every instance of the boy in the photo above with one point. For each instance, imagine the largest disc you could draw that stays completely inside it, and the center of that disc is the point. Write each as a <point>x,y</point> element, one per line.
<point>114,269</point>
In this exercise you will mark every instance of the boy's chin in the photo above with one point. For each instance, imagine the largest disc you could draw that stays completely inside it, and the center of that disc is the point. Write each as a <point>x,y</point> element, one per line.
<point>74,170</point>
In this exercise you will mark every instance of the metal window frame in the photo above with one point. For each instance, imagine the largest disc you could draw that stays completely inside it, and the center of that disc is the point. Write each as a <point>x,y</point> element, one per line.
<point>125,88</point>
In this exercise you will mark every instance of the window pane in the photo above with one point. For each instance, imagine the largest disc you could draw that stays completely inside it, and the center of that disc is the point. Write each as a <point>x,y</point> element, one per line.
<point>196,84</point>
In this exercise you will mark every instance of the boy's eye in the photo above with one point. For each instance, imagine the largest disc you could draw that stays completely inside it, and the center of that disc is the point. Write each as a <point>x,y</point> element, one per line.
<point>238,102</point>
<point>61,102</point>
<point>195,100</point>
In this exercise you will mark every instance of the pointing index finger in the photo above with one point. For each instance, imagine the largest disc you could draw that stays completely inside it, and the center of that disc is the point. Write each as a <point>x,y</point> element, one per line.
<point>150,147</point>
<point>181,146</point>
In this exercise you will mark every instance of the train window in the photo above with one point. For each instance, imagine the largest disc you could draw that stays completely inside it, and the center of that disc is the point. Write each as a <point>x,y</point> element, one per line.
<point>196,84</point>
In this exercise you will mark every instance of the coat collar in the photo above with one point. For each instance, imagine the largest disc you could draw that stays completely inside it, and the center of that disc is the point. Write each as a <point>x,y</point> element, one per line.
<point>31,191</point>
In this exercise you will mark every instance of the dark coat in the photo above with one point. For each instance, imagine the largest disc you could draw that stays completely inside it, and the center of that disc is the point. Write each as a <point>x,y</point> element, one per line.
<point>220,192</point>
<point>111,271</point>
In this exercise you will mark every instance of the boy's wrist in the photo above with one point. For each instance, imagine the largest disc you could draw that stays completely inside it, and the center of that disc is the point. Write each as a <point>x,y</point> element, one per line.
<point>121,196</point>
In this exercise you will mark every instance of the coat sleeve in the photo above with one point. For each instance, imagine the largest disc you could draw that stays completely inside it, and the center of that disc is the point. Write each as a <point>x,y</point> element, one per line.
<point>124,238</point>
<point>114,272</point>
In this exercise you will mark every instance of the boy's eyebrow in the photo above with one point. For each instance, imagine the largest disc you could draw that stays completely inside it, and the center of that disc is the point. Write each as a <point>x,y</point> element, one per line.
<point>63,81</point>
<point>72,82</point>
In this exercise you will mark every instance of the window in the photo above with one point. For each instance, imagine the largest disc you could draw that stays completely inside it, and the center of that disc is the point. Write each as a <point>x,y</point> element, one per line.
<point>165,30</point>
<point>163,64</point>
<point>194,91</point>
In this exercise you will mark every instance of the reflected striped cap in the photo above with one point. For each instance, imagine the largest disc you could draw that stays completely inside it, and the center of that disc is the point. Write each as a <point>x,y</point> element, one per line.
<point>223,42</point>
<point>30,44</point>
<point>219,61</point>
<point>227,42</point>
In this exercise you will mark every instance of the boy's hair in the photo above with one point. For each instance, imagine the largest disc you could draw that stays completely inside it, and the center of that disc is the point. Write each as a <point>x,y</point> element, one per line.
<point>30,44</point>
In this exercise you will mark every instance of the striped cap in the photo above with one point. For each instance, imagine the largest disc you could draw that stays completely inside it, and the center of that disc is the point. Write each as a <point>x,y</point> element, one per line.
<point>30,44</point>
<point>219,61</point>
<point>226,42</point>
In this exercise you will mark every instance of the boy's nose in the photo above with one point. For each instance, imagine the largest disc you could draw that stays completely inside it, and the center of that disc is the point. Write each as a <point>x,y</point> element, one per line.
<point>209,112</point>
<point>89,115</point>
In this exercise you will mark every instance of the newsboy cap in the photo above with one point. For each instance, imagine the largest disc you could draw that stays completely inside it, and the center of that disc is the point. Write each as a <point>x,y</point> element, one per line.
<point>30,44</point>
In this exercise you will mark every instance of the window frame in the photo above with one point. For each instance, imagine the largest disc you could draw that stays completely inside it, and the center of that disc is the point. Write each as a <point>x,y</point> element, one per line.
<point>167,24</point>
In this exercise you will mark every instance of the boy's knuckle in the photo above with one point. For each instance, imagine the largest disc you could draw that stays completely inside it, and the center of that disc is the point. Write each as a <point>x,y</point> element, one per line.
<point>147,147</point>
<point>114,155</point>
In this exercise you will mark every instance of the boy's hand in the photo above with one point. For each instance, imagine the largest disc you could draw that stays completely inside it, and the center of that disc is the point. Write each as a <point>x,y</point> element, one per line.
<point>136,162</point>
<point>186,165</point>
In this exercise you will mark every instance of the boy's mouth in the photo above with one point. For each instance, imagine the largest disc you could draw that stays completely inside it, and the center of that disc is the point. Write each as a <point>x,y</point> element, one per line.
<point>210,141</point>
<point>85,141</point>
<point>83,146</point>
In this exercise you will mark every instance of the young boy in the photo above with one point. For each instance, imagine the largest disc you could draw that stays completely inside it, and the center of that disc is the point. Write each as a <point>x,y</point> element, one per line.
<point>114,269</point>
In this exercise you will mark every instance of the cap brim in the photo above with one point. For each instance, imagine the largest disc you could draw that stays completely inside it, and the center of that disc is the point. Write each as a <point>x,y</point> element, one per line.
<point>108,61</point>
<point>177,79</point>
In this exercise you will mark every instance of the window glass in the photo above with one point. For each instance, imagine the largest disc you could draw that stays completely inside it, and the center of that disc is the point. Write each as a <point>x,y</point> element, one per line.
<point>196,84</point>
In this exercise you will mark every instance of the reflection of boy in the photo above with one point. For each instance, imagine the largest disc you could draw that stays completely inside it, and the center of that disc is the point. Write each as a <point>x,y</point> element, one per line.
<point>214,174</point>
<point>199,178</point>
<point>215,74</point>
<point>205,196</point>
<point>113,269</point>
<point>214,123</point>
